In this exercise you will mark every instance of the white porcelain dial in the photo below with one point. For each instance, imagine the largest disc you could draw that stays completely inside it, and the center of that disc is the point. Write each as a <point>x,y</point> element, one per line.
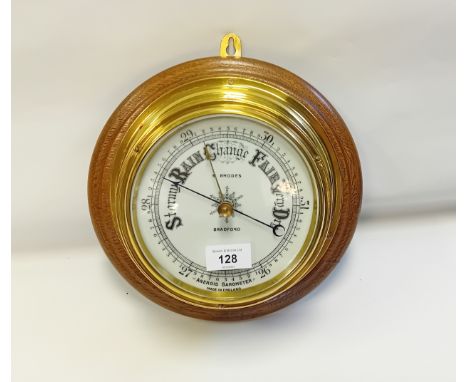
<point>268,194</point>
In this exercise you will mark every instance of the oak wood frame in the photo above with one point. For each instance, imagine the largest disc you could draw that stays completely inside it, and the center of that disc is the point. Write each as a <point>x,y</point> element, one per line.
<point>333,131</point>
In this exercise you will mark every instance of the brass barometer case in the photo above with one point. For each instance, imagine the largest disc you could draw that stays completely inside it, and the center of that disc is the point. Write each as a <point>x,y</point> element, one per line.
<point>225,188</point>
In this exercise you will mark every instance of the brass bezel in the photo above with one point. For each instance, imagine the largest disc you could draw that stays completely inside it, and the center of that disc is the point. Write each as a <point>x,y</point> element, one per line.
<point>225,96</point>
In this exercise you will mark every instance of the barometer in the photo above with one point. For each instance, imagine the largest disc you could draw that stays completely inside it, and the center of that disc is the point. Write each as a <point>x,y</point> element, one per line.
<point>225,188</point>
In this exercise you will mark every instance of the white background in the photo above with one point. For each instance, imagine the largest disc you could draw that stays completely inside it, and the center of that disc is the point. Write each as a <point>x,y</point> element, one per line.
<point>387,313</point>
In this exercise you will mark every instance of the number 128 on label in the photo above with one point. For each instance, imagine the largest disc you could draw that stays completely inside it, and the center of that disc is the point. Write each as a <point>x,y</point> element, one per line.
<point>229,256</point>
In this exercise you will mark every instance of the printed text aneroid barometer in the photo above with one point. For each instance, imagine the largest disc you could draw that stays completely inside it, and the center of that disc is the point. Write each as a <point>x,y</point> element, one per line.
<point>225,188</point>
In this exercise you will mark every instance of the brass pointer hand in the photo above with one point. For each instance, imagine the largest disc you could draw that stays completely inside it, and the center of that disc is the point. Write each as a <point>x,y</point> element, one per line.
<point>209,157</point>
<point>225,208</point>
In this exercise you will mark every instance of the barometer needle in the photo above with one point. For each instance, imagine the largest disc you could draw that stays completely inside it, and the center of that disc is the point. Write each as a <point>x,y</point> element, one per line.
<point>217,201</point>
<point>189,189</point>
